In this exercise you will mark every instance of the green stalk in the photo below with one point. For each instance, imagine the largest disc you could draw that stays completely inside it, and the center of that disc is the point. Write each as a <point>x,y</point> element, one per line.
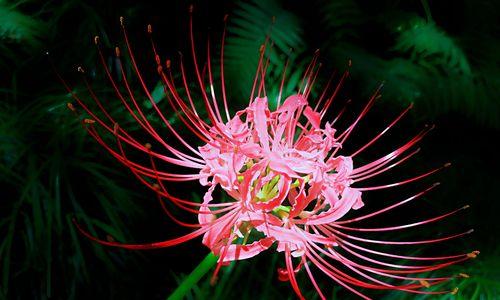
<point>205,265</point>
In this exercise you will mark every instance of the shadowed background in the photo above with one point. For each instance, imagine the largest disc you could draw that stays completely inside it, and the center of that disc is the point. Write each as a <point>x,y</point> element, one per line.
<point>440,55</point>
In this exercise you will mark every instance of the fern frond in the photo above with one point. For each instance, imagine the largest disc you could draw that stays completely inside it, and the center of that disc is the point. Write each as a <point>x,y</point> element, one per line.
<point>428,44</point>
<point>249,25</point>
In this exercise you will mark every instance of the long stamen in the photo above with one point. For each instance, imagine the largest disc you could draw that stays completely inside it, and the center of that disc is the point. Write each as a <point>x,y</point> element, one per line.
<point>223,81</point>
<point>402,226</point>
<point>389,207</point>
<point>404,181</point>
<point>210,111</point>
<point>155,245</point>
<point>383,131</point>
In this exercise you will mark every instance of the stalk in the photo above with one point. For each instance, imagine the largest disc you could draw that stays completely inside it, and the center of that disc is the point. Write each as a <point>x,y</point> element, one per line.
<point>205,265</point>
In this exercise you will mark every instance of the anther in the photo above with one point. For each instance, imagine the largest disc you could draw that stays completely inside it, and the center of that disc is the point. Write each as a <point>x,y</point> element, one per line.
<point>147,146</point>
<point>225,17</point>
<point>455,291</point>
<point>88,121</point>
<point>349,63</point>
<point>436,184</point>
<point>446,165</point>
<point>80,69</point>
<point>473,254</point>
<point>70,106</point>
<point>156,186</point>
<point>117,52</point>
<point>150,29</point>
<point>191,8</point>
<point>115,128</point>
<point>424,283</point>
<point>96,39</point>
<point>122,19</point>
<point>464,275</point>
<point>466,206</point>
<point>168,63</point>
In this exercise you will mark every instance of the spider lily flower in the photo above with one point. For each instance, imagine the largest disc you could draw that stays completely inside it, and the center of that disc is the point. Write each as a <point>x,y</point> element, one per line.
<point>289,187</point>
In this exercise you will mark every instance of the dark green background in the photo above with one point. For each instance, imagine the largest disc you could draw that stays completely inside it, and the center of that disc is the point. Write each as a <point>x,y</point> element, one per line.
<point>441,55</point>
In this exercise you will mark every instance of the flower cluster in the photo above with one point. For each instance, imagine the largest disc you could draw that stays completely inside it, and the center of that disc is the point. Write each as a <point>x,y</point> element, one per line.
<point>287,185</point>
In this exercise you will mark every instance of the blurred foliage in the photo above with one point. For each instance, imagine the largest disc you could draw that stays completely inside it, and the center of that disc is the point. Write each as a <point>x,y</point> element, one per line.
<point>17,27</point>
<point>48,173</point>
<point>251,22</point>
<point>441,55</point>
<point>421,62</point>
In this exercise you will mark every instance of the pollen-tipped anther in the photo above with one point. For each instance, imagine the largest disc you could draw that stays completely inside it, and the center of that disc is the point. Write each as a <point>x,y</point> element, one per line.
<point>454,291</point>
<point>88,121</point>
<point>117,52</point>
<point>96,39</point>
<point>150,29</point>
<point>71,106</point>
<point>473,254</point>
<point>424,283</point>
<point>80,69</point>
<point>147,146</point>
<point>122,20</point>
<point>463,275</point>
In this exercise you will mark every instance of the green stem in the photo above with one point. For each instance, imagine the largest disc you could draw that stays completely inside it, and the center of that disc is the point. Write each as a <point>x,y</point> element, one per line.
<point>205,265</point>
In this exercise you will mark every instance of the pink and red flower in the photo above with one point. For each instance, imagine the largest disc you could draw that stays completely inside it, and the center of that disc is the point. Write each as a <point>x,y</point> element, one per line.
<point>289,188</point>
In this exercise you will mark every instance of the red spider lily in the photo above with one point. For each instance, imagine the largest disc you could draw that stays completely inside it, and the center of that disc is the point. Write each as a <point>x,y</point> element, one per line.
<point>287,183</point>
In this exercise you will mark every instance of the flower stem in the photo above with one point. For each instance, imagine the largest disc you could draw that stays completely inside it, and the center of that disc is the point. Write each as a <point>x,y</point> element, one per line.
<point>205,265</point>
